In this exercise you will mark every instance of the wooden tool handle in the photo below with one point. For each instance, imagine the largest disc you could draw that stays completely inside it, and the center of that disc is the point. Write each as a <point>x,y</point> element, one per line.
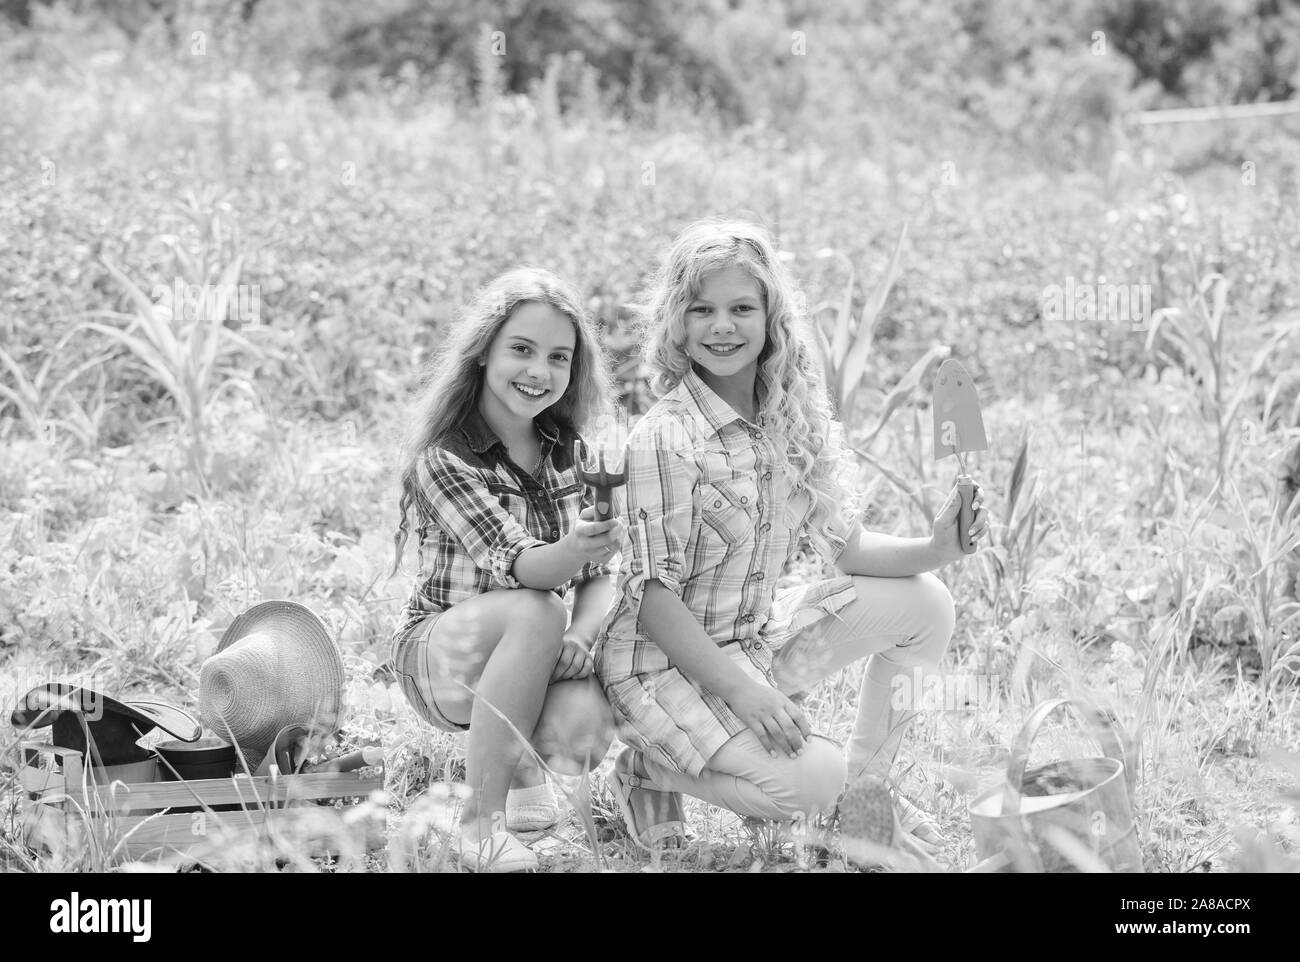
<point>350,762</point>
<point>966,514</point>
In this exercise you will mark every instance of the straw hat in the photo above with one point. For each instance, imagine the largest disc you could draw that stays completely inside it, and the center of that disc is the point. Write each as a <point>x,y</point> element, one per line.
<point>276,666</point>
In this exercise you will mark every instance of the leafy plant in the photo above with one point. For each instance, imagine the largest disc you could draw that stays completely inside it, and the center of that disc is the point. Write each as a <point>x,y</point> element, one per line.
<point>1200,345</point>
<point>189,357</point>
<point>845,351</point>
<point>34,397</point>
<point>1009,561</point>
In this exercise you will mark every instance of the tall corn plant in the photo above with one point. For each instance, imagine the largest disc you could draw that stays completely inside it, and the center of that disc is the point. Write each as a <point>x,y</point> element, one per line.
<point>1013,553</point>
<point>1270,617</point>
<point>845,343</point>
<point>1197,335</point>
<point>34,397</point>
<point>846,347</point>
<point>186,358</point>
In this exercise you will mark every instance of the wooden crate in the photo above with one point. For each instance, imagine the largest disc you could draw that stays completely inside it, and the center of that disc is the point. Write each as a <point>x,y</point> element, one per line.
<point>65,807</point>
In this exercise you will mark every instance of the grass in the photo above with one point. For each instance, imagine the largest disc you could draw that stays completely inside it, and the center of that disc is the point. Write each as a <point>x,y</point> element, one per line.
<point>1136,551</point>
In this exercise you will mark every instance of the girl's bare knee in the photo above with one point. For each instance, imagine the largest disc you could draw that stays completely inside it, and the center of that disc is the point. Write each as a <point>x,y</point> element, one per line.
<point>536,620</point>
<point>576,727</point>
<point>540,610</point>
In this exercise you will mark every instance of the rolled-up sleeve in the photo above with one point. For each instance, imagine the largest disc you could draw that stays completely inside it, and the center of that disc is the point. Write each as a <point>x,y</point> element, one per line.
<point>661,480</point>
<point>837,532</point>
<point>457,498</point>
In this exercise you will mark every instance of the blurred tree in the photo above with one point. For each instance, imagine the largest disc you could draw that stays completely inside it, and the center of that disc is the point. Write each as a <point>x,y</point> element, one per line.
<point>1162,36</point>
<point>1234,50</point>
<point>131,16</point>
<point>17,11</point>
<point>646,48</point>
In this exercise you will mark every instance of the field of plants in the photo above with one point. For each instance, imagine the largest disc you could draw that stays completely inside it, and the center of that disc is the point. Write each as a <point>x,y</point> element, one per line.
<point>164,468</point>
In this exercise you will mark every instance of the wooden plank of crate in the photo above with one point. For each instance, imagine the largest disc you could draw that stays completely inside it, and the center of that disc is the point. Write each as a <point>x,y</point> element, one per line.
<point>159,834</point>
<point>240,790</point>
<point>40,780</point>
<point>252,792</point>
<point>69,758</point>
<point>315,830</point>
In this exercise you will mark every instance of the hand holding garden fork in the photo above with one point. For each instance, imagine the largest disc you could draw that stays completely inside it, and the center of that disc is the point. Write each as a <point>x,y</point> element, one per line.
<point>603,480</point>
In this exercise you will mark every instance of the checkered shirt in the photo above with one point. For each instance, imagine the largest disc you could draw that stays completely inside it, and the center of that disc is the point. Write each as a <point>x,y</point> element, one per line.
<point>712,517</point>
<point>478,511</point>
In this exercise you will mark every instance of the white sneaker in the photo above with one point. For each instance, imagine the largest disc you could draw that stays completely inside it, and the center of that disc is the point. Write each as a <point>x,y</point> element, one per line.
<point>499,853</point>
<point>532,809</point>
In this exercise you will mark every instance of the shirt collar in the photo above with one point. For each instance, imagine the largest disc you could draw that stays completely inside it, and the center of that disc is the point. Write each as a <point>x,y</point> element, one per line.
<point>711,413</point>
<point>481,438</point>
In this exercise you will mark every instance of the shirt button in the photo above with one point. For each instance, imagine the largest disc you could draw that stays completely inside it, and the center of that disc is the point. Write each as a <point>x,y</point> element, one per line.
<point>767,476</point>
<point>756,576</point>
<point>717,504</point>
<point>744,499</point>
<point>766,527</point>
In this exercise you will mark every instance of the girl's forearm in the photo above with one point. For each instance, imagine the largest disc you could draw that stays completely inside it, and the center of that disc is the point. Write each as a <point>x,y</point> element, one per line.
<point>590,602</point>
<point>879,555</point>
<point>546,566</point>
<point>669,624</point>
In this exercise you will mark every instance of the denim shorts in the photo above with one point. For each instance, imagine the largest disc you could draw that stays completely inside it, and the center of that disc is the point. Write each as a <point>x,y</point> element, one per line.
<point>416,672</point>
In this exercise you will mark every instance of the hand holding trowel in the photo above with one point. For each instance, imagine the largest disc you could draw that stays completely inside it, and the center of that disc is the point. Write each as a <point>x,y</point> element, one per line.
<point>958,428</point>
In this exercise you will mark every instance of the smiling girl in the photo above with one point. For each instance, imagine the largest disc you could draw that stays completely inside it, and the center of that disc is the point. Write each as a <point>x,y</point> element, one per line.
<point>505,527</point>
<point>736,463</point>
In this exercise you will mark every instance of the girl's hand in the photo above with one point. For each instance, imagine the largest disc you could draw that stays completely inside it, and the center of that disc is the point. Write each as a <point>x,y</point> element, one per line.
<point>943,539</point>
<point>777,721</point>
<point>574,661</point>
<point>595,541</point>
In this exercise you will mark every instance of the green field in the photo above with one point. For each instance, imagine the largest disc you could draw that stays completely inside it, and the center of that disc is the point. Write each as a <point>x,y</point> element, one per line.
<point>156,482</point>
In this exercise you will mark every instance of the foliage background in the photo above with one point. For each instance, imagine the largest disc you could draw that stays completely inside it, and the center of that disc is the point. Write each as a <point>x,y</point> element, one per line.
<point>367,167</point>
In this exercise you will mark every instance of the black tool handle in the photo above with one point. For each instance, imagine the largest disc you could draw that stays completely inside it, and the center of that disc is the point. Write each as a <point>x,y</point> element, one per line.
<point>604,495</point>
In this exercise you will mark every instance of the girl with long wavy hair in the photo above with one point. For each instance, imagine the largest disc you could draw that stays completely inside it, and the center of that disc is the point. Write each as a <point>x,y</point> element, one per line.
<point>505,528</point>
<point>739,460</point>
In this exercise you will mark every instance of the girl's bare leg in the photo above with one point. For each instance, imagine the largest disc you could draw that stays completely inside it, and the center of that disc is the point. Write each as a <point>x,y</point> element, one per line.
<point>503,646</point>
<point>576,727</point>
<point>495,653</point>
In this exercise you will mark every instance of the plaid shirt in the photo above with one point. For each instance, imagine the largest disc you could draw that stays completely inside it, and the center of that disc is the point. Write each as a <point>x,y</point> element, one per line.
<point>479,511</point>
<point>709,514</point>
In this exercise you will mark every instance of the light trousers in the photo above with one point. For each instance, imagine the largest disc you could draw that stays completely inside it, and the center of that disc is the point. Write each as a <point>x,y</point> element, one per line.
<point>899,625</point>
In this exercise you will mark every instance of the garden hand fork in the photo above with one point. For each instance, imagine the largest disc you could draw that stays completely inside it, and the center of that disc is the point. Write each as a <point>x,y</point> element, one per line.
<point>958,428</point>
<point>603,480</point>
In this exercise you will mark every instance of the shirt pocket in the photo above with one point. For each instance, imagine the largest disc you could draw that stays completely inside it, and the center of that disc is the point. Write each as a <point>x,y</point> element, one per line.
<point>728,507</point>
<point>512,499</point>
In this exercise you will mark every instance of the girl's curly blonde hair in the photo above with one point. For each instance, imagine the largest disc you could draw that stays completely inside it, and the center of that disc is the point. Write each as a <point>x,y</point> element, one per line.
<point>790,384</point>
